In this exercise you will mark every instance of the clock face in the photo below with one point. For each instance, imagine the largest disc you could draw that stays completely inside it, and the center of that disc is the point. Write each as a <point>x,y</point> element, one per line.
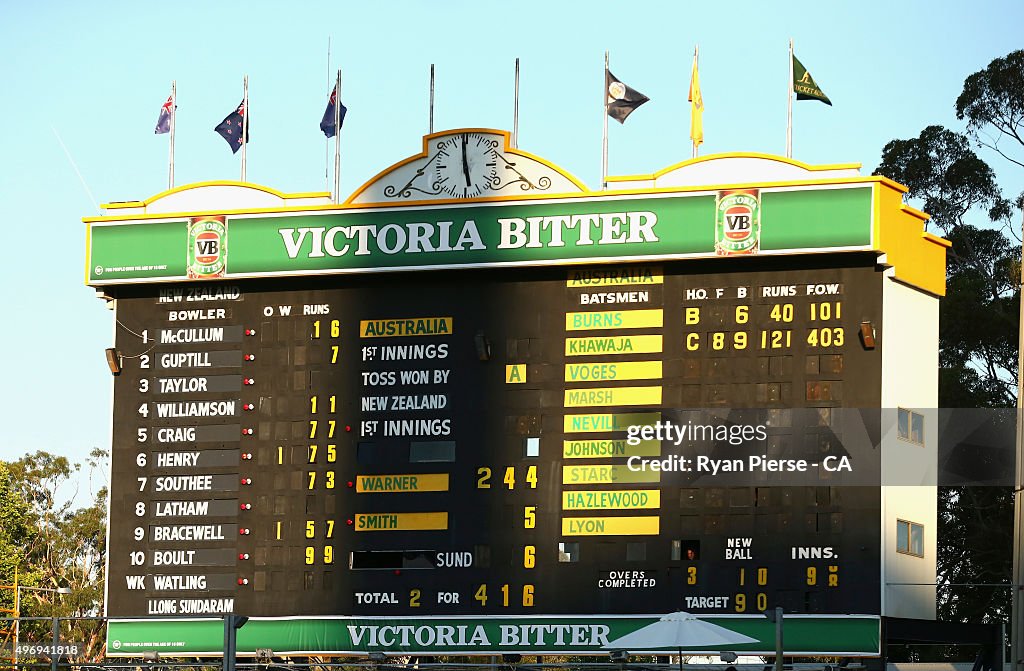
<point>466,165</point>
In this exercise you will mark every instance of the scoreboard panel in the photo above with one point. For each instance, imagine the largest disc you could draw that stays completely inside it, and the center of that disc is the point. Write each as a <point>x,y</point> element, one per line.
<point>471,443</point>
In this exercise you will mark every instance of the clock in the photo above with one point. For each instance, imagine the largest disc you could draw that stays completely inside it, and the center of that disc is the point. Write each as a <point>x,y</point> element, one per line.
<point>466,165</point>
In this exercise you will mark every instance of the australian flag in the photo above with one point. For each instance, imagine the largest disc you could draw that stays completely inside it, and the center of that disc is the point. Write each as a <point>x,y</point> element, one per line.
<point>231,128</point>
<point>163,122</point>
<point>327,123</point>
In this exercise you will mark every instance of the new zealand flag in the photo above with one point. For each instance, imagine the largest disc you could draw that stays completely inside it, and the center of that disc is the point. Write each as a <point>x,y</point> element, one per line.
<point>327,123</point>
<point>231,128</point>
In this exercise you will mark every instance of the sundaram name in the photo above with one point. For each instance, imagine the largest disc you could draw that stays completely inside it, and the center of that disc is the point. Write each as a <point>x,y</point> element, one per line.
<point>576,230</point>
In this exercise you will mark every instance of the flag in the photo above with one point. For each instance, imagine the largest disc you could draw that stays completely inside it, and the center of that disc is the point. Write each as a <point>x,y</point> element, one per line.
<point>804,85</point>
<point>697,108</point>
<point>163,122</point>
<point>622,100</point>
<point>327,123</point>
<point>231,128</point>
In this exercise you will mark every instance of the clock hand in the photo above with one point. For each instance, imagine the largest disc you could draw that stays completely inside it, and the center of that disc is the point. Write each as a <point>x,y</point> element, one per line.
<point>465,163</point>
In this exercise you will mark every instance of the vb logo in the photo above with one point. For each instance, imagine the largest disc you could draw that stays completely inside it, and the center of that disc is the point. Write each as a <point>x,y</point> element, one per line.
<point>208,247</point>
<point>737,222</point>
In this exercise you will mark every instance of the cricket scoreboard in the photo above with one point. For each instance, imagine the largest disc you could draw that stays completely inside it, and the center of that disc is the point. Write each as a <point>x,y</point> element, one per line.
<point>573,440</point>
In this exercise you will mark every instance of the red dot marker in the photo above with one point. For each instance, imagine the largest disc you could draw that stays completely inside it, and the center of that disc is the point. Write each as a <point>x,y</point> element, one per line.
<point>348,428</point>
<point>349,522</point>
<point>243,581</point>
<point>243,532</point>
<point>250,357</point>
<point>350,483</point>
<point>250,332</point>
<point>243,556</point>
<point>246,481</point>
<point>248,406</point>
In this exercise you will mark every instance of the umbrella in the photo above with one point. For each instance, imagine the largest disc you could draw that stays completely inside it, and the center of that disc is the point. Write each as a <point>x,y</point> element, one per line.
<point>677,631</point>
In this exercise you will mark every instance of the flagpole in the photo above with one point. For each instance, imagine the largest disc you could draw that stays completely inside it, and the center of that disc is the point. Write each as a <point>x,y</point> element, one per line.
<point>431,98</point>
<point>604,137</point>
<point>170,160</point>
<point>245,119</point>
<point>789,105</point>
<point>337,139</point>
<point>327,146</point>
<point>515,111</point>
<point>693,140</point>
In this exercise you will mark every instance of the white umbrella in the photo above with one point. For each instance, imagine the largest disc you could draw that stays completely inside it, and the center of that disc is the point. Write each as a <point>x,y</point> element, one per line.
<point>677,631</point>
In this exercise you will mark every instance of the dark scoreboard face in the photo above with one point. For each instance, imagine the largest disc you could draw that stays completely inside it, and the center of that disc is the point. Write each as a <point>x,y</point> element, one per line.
<point>459,442</point>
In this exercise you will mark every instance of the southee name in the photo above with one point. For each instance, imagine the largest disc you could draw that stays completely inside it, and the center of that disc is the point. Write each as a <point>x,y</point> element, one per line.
<point>577,230</point>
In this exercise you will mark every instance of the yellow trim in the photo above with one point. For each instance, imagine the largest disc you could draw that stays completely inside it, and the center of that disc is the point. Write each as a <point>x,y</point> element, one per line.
<point>222,182</point>
<point>917,257</point>
<point>508,149</point>
<point>199,213</point>
<point>734,154</point>
<point>347,207</point>
<point>923,216</point>
<point>892,184</point>
<point>88,251</point>
<point>931,237</point>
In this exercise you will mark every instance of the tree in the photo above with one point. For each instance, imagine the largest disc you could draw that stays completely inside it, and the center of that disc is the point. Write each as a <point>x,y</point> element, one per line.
<point>978,319</point>
<point>65,548</point>
<point>15,532</point>
<point>978,326</point>
<point>993,100</point>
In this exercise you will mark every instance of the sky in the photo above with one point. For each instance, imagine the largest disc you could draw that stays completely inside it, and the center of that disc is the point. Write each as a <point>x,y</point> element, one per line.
<point>82,85</point>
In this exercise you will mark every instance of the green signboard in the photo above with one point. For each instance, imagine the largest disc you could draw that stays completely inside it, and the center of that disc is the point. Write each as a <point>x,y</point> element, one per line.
<point>572,230</point>
<point>847,635</point>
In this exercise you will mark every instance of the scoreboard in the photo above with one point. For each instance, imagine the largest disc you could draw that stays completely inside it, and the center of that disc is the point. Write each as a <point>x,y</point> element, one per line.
<point>520,421</point>
<point>459,444</point>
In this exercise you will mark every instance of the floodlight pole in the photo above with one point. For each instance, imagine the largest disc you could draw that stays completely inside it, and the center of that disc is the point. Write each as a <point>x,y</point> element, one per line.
<point>1017,607</point>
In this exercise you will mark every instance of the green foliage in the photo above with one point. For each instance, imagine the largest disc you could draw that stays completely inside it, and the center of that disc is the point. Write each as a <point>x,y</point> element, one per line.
<point>975,546</point>
<point>943,173</point>
<point>62,546</point>
<point>993,101</point>
<point>979,316</point>
<point>15,533</point>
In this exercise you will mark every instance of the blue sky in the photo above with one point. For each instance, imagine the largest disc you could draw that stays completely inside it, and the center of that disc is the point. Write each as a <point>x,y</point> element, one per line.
<point>95,74</point>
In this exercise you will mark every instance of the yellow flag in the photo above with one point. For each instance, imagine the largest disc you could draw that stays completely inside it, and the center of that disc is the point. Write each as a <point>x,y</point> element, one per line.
<point>697,107</point>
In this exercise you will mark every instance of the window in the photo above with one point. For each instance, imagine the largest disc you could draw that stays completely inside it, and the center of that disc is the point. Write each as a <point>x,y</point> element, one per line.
<point>910,425</point>
<point>636,551</point>
<point>568,552</point>
<point>685,549</point>
<point>909,538</point>
<point>431,451</point>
